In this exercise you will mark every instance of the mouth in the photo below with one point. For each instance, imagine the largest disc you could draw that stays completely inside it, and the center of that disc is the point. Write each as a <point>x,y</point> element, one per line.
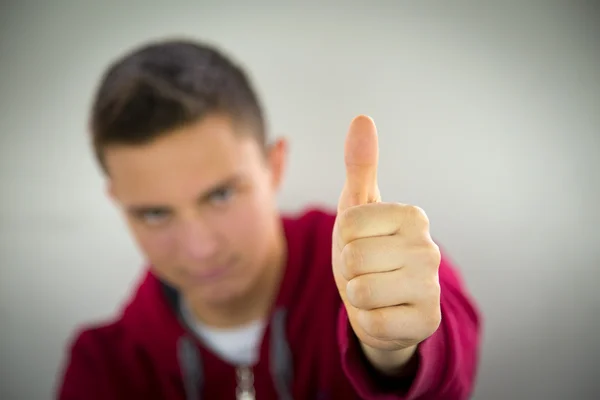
<point>211,275</point>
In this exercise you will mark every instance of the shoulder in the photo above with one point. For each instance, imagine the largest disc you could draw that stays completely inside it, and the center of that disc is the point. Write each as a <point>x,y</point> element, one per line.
<point>310,221</point>
<point>308,236</point>
<point>308,290</point>
<point>95,340</point>
<point>91,352</point>
<point>103,362</point>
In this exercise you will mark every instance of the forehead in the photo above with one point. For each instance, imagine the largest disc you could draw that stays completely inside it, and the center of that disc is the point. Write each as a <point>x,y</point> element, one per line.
<point>177,166</point>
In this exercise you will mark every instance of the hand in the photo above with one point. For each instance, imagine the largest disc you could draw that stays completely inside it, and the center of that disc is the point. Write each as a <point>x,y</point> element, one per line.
<point>385,262</point>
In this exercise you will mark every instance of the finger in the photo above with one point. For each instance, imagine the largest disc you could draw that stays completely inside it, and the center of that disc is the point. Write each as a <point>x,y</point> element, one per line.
<point>385,254</point>
<point>379,219</point>
<point>373,254</point>
<point>389,289</point>
<point>361,153</point>
<point>400,323</point>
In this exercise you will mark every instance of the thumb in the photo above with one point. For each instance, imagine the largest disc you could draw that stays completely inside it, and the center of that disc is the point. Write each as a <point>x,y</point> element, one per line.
<point>361,154</point>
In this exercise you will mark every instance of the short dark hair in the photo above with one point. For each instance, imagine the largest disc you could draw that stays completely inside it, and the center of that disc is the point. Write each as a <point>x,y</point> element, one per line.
<point>169,84</point>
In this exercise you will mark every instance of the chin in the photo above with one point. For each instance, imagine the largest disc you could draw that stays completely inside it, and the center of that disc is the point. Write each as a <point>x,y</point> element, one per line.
<point>220,293</point>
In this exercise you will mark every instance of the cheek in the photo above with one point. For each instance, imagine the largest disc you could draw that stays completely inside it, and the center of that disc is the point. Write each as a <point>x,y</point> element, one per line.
<point>240,224</point>
<point>157,245</point>
<point>250,223</point>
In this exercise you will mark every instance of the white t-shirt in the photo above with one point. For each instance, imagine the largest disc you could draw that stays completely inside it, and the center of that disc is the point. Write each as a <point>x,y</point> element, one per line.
<point>238,346</point>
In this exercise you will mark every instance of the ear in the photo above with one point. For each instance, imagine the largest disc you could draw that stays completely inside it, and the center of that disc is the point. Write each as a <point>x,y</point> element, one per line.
<point>110,190</point>
<point>277,159</point>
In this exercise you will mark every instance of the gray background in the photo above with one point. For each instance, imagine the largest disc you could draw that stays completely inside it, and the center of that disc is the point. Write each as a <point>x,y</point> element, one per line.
<point>489,119</point>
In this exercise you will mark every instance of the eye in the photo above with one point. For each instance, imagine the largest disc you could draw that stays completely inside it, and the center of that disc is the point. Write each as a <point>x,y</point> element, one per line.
<point>221,196</point>
<point>154,216</point>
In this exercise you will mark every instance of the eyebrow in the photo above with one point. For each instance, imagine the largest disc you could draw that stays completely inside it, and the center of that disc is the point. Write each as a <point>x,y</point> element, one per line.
<point>205,195</point>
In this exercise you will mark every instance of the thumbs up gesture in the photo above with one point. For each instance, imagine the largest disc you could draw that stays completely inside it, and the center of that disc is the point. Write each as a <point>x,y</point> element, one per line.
<point>385,263</point>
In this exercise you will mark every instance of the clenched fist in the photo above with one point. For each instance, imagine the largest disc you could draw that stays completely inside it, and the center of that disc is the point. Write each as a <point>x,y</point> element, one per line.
<point>385,263</point>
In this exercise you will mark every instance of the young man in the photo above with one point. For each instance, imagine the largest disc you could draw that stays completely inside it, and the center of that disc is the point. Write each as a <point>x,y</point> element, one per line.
<point>238,301</point>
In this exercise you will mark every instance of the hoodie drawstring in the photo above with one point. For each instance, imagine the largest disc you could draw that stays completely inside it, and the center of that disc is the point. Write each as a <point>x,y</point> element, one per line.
<point>281,367</point>
<point>191,367</point>
<point>281,356</point>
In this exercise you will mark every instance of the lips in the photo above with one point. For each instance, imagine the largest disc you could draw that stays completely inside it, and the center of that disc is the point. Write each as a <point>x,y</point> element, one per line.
<point>212,274</point>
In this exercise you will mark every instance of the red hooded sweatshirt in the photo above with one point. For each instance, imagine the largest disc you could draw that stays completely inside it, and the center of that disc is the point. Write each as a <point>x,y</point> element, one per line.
<point>308,350</point>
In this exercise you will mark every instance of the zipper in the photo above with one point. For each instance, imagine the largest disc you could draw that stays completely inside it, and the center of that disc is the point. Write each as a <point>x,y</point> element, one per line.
<point>245,383</point>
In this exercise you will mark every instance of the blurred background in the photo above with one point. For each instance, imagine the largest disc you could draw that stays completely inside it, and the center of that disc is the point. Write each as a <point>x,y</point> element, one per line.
<point>489,119</point>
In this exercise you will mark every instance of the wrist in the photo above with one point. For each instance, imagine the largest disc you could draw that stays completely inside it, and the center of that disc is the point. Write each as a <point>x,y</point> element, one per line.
<point>393,363</point>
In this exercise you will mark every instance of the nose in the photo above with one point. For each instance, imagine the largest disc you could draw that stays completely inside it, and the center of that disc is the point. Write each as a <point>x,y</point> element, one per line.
<point>197,240</point>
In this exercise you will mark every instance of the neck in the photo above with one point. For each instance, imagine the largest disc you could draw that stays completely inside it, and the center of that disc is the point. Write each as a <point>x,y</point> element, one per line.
<point>257,302</point>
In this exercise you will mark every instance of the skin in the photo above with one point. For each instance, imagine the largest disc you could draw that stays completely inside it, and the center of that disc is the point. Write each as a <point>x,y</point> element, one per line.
<point>385,262</point>
<point>201,205</point>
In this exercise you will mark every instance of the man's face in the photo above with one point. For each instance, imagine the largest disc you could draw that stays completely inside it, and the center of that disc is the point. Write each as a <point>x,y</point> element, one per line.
<point>201,203</point>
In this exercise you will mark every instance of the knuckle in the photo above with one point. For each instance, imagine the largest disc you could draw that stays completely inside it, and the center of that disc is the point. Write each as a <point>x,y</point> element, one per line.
<point>352,260</point>
<point>432,314</point>
<point>431,256</point>
<point>432,290</point>
<point>416,217</point>
<point>433,320</point>
<point>374,324</point>
<point>348,221</point>
<point>359,292</point>
<point>397,211</point>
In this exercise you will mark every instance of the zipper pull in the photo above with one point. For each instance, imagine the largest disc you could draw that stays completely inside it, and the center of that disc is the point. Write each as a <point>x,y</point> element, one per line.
<point>245,384</point>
